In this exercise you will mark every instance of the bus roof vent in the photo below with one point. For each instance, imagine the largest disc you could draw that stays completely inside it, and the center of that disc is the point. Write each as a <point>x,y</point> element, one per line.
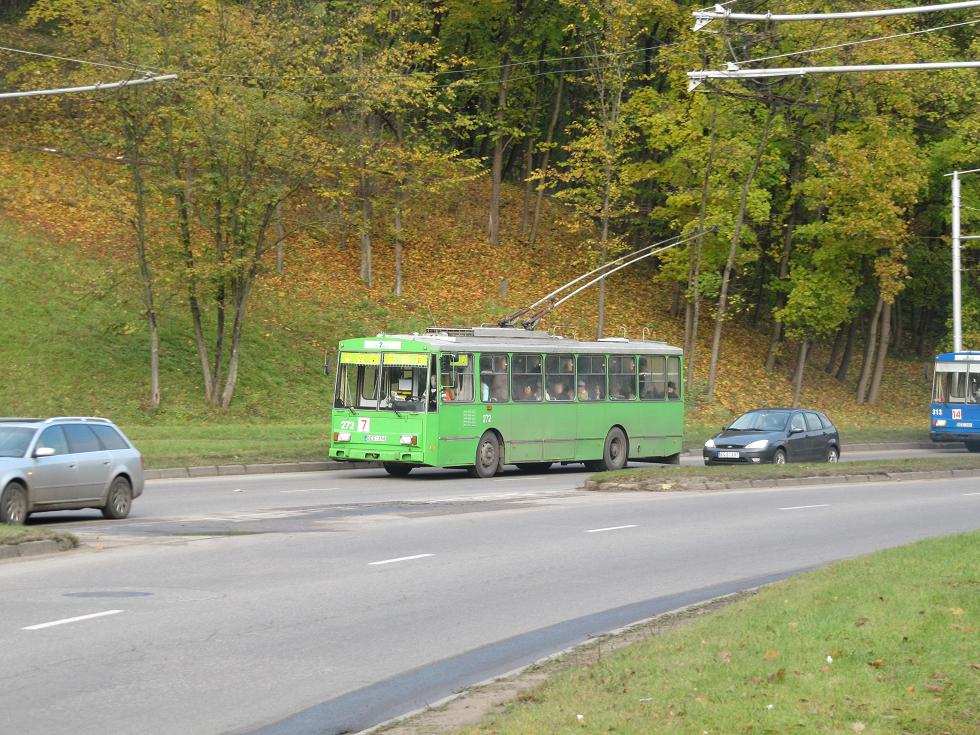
<point>451,331</point>
<point>512,333</point>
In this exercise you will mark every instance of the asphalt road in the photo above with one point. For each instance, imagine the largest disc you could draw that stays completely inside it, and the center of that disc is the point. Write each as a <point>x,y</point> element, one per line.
<point>326,602</point>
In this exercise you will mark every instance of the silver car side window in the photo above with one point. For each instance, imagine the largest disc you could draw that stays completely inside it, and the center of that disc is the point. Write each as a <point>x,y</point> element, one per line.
<point>81,439</point>
<point>54,438</point>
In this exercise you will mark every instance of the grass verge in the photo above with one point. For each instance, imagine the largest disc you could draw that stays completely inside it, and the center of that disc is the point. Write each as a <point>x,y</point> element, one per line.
<point>886,643</point>
<point>18,534</point>
<point>679,478</point>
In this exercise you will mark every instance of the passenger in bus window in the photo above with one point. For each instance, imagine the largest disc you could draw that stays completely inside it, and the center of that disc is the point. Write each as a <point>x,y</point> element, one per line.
<point>583,392</point>
<point>484,388</point>
<point>558,392</point>
<point>499,390</point>
<point>672,392</point>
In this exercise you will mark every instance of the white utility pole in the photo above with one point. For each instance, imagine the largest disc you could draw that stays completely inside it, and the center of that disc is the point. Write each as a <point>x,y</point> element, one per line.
<point>957,297</point>
<point>703,17</point>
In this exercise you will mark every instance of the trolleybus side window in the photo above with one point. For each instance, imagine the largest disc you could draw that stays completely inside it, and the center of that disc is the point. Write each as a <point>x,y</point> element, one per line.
<point>357,380</point>
<point>653,378</point>
<point>673,379</point>
<point>494,383</point>
<point>591,377</point>
<point>527,378</point>
<point>457,377</point>
<point>622,377</point>
<point>559,377</point>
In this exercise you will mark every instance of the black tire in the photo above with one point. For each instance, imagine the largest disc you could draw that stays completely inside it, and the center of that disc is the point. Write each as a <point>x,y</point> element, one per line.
<point>616,451</point>
<point>397,469</point>
<point>488,458</point>
<point>13,504</point>
<point>833,454</point>
<point>973,446</point>
<point>119,500</point>
<point>531,467</point>
<point>779,456</point>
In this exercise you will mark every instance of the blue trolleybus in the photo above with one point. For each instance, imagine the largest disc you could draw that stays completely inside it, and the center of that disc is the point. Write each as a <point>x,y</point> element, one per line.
<point>956,399</point>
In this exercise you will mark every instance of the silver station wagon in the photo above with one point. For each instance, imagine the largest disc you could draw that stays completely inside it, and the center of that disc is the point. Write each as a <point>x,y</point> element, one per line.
<point>66,463</point>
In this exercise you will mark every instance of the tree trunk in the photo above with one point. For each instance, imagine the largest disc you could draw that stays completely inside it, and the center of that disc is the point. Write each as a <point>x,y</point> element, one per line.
<point>398,242</point>
<point>131,124</point>
<point>280,239</point>
<point>220,302</point>
<point>182,198</point>
<point>883,342</point>
<point>549,137</point>
<point>367,210</point>
<point>732,252</point>
<point>497,170</point>
<point>694,265</point>
<point>925,322</point>
<point>604,239</point>
<point>899,325</point>
<point>835,351</point>
<point>845,362</point>
<point>869,352</point>
<point>798,375</point>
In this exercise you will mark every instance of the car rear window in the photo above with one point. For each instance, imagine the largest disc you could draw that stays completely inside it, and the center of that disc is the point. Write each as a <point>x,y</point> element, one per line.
<point>81,438</point>
<point>825,421</point>
<point>812,422</point>
<point>109,437</point>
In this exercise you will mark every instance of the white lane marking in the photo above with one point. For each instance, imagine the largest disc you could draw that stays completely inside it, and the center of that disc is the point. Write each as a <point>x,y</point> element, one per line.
<point>311,490</point>
<point>611,528</point>
<point>804,507</point>
<point>72,620</point>
<point>971,493</point>
<point>400,558</point>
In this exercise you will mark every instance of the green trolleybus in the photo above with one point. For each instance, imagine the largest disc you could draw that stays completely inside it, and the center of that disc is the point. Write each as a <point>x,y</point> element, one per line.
<point>477,398</point>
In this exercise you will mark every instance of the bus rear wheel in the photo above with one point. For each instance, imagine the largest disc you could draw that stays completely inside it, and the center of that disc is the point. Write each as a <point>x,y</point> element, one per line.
<point>616,451</point>
<point>488,459</point>
<point>397,469</point>
<point>531,467</point>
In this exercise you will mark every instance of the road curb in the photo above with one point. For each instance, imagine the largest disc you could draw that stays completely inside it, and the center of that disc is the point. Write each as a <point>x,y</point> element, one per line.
<point>34,548</point>
<point>661,486</point>
<point>264,468</point>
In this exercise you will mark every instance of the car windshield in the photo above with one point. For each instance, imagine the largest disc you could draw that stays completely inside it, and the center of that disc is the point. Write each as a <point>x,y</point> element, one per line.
<point>14,440</point>
<point>760,421</point>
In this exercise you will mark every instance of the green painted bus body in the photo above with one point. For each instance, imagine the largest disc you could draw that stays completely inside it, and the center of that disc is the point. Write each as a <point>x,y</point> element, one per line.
<point>545,431</point>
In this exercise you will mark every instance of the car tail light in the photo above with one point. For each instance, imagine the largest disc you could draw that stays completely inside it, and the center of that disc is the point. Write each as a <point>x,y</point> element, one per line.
<point>341,436</point>
<point>410,439</point>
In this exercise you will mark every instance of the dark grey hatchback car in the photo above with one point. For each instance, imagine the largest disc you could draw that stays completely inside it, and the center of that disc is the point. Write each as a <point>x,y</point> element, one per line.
<point>66,463</point>
<point>776,435</point>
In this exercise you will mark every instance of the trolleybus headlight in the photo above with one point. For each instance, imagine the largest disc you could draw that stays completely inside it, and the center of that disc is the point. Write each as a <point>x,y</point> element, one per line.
<point>410,439</point>
<point>710,444</point>
<point>939,422</point>
<point>341,436</point>
<point>758,444</point>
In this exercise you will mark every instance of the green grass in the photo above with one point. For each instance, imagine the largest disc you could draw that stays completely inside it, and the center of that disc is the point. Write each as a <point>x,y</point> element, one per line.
<point>680,477</point>
<point>900,628</point>
<point>18,534</point>
<point>190,445</point>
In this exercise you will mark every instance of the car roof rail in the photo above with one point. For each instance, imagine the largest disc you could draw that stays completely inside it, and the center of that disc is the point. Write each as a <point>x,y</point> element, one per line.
<point>99,419</point>
<point>19,419</point>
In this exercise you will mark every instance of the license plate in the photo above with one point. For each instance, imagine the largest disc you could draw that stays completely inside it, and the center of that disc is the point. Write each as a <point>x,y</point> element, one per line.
<point>728,455</point>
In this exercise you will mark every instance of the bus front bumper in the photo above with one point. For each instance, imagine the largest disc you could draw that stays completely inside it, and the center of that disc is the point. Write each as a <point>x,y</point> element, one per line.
<point>362,453</point>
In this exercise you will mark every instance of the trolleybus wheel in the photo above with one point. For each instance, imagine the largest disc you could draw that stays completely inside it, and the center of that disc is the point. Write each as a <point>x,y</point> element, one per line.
<point>973,446</point>
<point>397,469</point>
<point>616,451</point>
<point>533,466</point>
<point>487,456</point>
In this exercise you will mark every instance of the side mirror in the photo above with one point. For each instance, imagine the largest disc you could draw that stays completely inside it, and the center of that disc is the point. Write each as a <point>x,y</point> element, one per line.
<point>44,452</point>
<point>724,428</point>
<point>795,431</point>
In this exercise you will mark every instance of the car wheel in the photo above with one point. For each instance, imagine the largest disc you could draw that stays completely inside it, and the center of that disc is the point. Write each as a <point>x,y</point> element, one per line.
<point>616,451</point>
<point>973,446</point>
<point>832,454</point>
<point>397,469</point>
<point>779,457</point>
<point>13,504</point>
<point>119,500</point>
<point>533,466</point>
<point>487,456</point>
